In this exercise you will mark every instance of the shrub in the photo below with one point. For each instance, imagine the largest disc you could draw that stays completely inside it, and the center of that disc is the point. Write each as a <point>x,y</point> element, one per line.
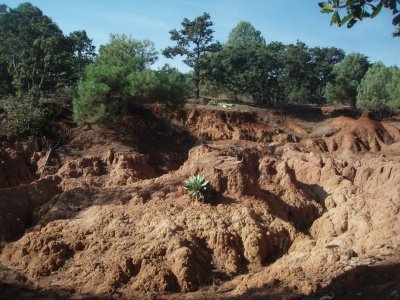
<point>372,92</point>
<point>26,118</point>
<point>119,77</point>
<point>393,88</point>
<point>173,86</point>
<point>198,187</point>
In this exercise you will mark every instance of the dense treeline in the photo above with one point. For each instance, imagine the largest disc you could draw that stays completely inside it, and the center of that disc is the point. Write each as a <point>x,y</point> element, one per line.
<point>275,73</point>
<point>36,57</point>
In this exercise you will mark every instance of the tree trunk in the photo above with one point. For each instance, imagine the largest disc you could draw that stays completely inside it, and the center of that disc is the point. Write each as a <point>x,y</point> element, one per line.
<point>353,103</point>
<point>196,81</point>
<point>38,144</point>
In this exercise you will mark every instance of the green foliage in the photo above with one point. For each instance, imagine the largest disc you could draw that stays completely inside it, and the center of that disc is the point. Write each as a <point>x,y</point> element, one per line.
<point>193,41</point>
<point>355,10</point>
<point>380,88</point>
<point>243,66</point>
<point>26,118</point>
<point>167,85</point>
<point>120,77</point>
<point>32,46</point>
<point>197,187</point>
<point>89,104</point>
<point>272,73</point>
<point>36,55</point>
<point>83,52</point>
<point>142,83</point>
<point>346,77</point>
<point>245,34</point>
<point>323,61</point>
<point>173,86</point>
<point>241,70</point>
<point>298,73</point>
<point>393,88</point>
<point>5,79</point>
<point>372,92</point>
<point>118,71</point>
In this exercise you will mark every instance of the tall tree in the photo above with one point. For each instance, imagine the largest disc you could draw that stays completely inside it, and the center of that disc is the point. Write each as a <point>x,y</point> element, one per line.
<point>297,76</point>
<point>241,70</point>
<point>393,88</point>
<point>5,78</point>
<point>372,91</point>
<point>193,41</point>
<point>346,78</point>
<point>83,49</point>
<point>243,66</point>
<point>120,77</point>
<point>323,61</point>
<point>356,10</point>
<point>118,69</point>
<point>244,33</point>
<point>33,48</point>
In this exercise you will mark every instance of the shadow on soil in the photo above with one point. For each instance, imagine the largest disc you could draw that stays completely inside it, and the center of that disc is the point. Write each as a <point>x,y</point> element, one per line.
<point>362,282</point>
<point>310,113</point>
<point>304,112</point>
<point>365,282</point>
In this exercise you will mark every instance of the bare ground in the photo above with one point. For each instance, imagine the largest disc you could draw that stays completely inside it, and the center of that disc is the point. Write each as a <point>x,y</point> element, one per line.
<point>301,208</point>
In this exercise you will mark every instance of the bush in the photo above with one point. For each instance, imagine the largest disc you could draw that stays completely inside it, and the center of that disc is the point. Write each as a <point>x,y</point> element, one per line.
<point>393,88</point>
<point>26,118</point>
<point>198,187</point>
<point>120,77</point>
<point>372,92</point>
<point>173,86</point>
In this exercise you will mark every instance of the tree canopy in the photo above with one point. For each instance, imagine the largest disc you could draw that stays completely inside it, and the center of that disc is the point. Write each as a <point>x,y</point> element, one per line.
<point>120,76</point>
<point>244,33</point>
<point>36,58</point>
<point>271,73</point>
<point>380,88</point>
<point>36,54</point>
<point>393,88</point>
<point>372,93</point>
<point>193,41</point>
<point>346,77</point>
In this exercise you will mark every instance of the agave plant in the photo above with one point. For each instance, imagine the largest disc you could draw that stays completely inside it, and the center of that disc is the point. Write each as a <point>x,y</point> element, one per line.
<point>197,187</point>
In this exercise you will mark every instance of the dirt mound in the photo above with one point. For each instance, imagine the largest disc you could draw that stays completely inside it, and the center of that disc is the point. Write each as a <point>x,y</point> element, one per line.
<point>128,167</point>
<point>359,228</point>
<point>180,244</point>
<point>18,203</point>
<point>281,220</point>
<point>14,169</point>
<point>361,135</point>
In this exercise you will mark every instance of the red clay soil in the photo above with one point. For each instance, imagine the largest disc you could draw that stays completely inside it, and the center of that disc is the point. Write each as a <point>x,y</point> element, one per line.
<point>14,169</point>
<point>361,135</point>
<point>283,220</point>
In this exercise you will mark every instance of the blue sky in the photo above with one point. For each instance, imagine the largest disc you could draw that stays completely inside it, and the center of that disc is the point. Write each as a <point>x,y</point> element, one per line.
<point>284,21</point>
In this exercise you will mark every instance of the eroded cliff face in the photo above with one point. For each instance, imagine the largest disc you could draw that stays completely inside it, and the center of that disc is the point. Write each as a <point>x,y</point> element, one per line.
<point>290,210</point>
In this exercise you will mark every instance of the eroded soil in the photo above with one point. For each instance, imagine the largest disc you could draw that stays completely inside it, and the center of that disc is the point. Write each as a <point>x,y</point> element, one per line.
<point>300,208</point>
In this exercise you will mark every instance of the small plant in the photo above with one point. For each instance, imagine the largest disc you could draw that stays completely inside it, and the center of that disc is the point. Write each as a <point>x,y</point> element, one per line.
<point>197,187</point>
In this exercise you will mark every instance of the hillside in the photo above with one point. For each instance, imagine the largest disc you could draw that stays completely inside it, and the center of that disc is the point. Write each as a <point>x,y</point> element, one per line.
<point>301,208</point>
